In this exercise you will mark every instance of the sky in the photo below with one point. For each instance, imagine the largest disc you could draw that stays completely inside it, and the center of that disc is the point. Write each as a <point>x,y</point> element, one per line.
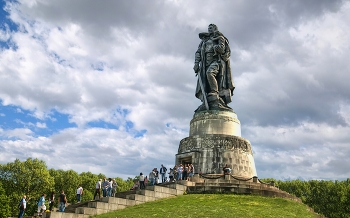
<point>108,86</point>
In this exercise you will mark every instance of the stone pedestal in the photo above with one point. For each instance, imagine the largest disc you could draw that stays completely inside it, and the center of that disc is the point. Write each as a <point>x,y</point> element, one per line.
<point>214,141</point>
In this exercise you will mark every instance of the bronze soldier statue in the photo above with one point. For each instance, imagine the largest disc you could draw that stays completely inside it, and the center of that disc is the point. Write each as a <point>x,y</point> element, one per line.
<point>212,65</point>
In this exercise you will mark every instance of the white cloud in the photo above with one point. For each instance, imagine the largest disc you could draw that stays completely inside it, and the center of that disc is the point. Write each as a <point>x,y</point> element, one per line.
<point>120,67</point>
<point>41,125</point>
<point>17,133</point>
<point>5,33</point>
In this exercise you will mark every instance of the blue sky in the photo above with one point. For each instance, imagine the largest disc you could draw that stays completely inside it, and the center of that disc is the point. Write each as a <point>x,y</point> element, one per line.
<point>108,87</point>
<point>13,117</point>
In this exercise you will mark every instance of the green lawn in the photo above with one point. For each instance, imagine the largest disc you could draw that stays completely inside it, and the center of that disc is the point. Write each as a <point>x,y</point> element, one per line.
<point>215,205</point>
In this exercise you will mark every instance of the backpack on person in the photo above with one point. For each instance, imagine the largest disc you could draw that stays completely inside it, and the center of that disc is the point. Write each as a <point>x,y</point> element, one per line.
<point>20,205</point>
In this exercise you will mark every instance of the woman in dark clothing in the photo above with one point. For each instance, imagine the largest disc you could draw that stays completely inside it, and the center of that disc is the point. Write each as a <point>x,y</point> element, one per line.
<point>51,200</point>
<point>184,174</point>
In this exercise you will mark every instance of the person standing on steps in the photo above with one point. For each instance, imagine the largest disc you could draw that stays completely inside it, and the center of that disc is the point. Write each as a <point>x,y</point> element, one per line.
<point>156,175</point>
<point>63,201</point>
<point>41,205</point>
<point>146,181</point>
<point>98,189</point>
<point>179,172</point>
<point>191,172</point>
<point>51,200</point>
<point>184,173</point>
<point>142,181</point>
<point>22,206</point>
<point>109,189</point>
<point>175,172</point>
<point>114,187</point>
<point>79,193</point>
<point>105,185</point>
<point>163,170</point>
<point>151,177</point>
<point>171,175</point>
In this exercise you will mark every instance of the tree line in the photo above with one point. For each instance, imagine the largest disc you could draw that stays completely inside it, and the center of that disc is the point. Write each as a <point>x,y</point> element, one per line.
<point>32,178</point>
<point>329,198</point>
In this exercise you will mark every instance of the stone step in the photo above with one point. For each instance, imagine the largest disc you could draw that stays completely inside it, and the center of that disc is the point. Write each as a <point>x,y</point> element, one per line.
<point>90,211</point>
<point>64,215</point>
<point>71,207</point>
<point>155,188</point>
<point>145,192</point>
<point>136,197</point>
<point>177,186</point>
<point>123,194</point>
<point>99,205</point>
<point>109,200</point>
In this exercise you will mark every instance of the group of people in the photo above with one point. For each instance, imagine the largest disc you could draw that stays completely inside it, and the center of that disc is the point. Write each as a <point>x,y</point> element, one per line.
<point>108,187</point>
<point>155,175</point>
<point>180,172</point>
<point>41,203</point>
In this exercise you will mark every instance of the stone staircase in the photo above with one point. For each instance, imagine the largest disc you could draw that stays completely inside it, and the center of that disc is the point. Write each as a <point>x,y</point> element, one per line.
<point>214,183</point>
<point>121,200</point>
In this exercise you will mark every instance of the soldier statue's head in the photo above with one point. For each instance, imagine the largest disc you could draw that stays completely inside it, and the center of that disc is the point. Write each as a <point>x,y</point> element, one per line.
<point>212,28</point>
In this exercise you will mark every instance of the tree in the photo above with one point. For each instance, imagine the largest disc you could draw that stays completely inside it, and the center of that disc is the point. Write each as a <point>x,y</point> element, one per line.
<point>30,178</point>
<point>89,183</point>
<point>67,181</point>
<point>5,210</point>
<point>124,185</point>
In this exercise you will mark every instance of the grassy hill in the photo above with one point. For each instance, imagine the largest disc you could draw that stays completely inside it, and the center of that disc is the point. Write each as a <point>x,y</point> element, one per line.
<point>215,205</point>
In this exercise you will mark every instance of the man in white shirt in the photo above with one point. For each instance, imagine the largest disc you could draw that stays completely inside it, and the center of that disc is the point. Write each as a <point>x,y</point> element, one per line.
<point>22,207</point>
<point>79,193</point>
<point>179,172</point>
<point>98,189</point>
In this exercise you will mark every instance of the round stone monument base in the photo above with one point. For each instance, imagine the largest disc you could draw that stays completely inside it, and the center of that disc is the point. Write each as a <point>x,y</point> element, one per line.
<point>211,153</point>
<point>214,142</point>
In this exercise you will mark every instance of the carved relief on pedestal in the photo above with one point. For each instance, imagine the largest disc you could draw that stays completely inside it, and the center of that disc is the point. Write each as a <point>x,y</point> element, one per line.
<point>222,142</point>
